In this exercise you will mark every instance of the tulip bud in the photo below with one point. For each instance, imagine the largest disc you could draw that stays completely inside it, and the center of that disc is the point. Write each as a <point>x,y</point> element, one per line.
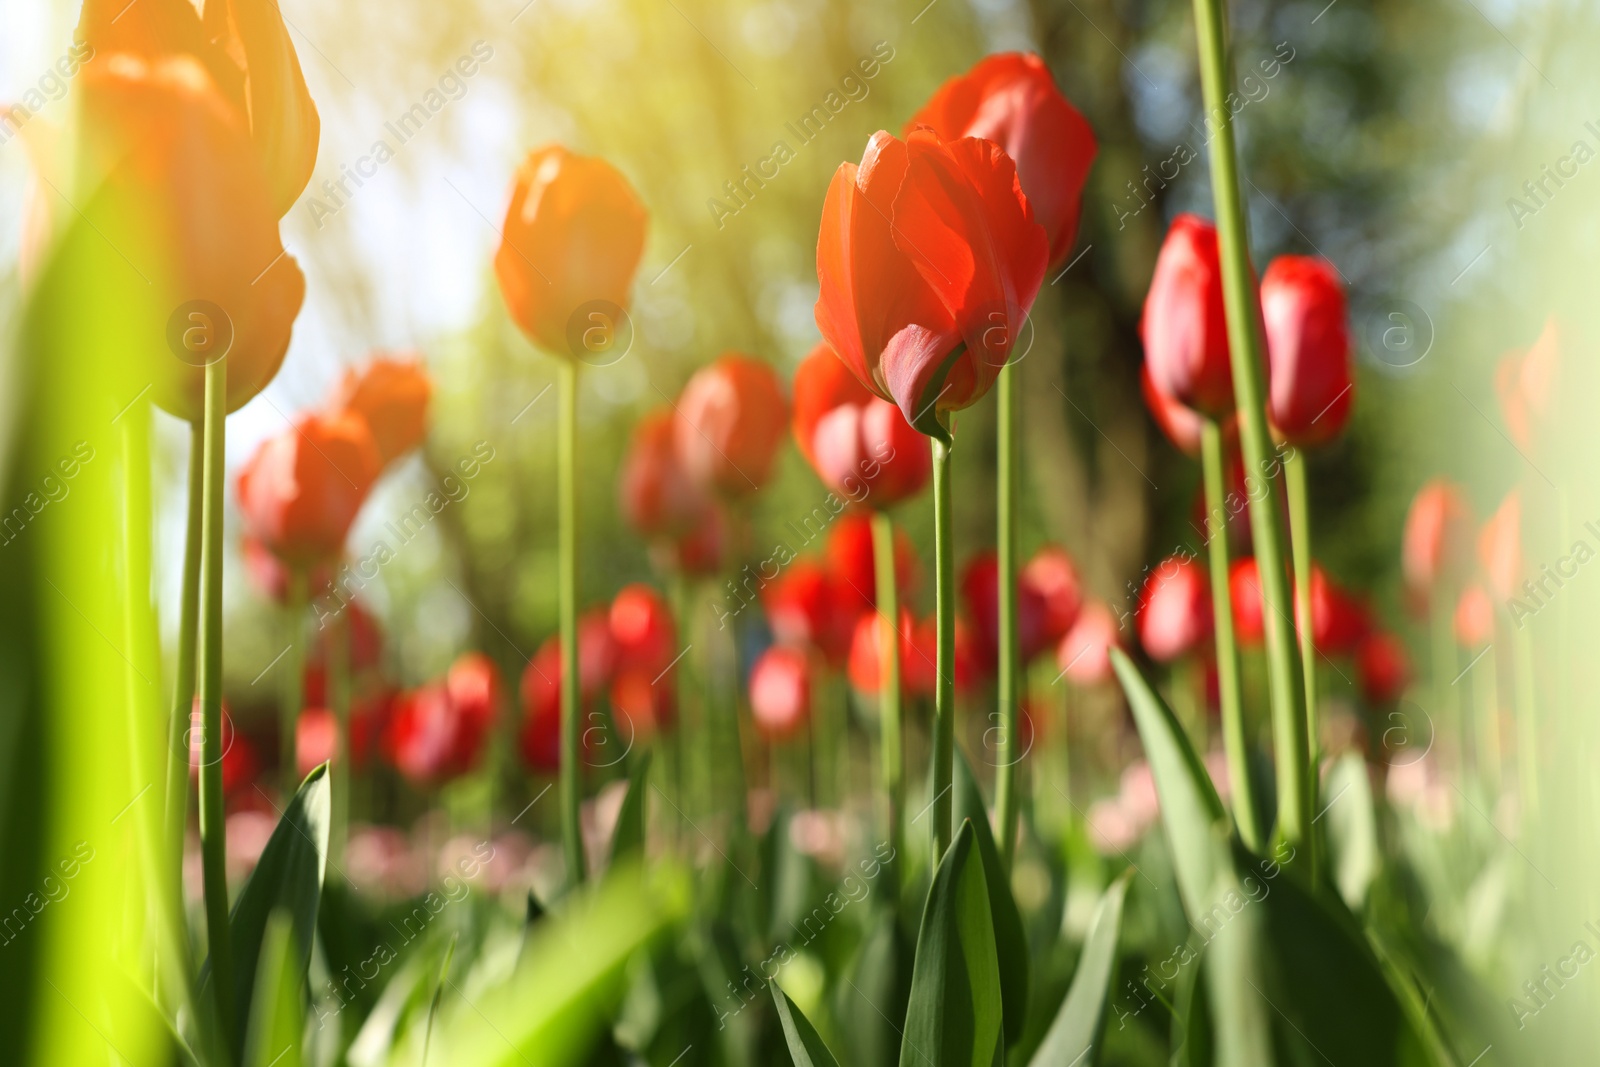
<point>1527,383</point>
<point>780,693</point>
<point>656,496</point>
<point>642,630</point>
<point>1308,346</point>
<point>392,395</point>
<point>1174,609</point>
<point>1053,577</point>
<point>1084,653</point>
<point>302,489</point>
<point>730,422</point>
<point>1474,618</point>
<point>1500,547</point>
<point>869,650</point>
<point>920,668</point>
<point>1184,326</point>
<point>1436,546</point>
<point>806,607</point>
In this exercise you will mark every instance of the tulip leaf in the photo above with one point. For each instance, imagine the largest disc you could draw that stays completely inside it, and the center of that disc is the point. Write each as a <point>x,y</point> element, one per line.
<point>870,1004</point>
<point>628,837</point>
<point>1351,826</point>
<point>1191,811</point>
<point>277,1020</point>
<point>1232,928</point>
<point>806,1047</point>
<point>954,1017</point>
<point>288,876</point>
<point>1010,939</point>
<point>1075,1033</point>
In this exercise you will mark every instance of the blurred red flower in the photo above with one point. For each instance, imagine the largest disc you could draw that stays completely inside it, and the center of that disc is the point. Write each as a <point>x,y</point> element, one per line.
<point>920,668</point>
<point>869,648</point>
<point>1244,589</point>
<point>540,737</point>
<point>1383,668</point>
<point>1306,318</point>
<point>1184,326</point>
<point>1527,384</point>
<point>730,422</point>
<point>1084,653</point>
<point>1037,618</point>
<point>1012,100</point>
<point>656,496</point>
<point>316,739</point>
<point>851,558</point>
<point>642,630</point>
<point>1436,546</point>
<point>1338,620</point>
<point>1174,609</point>
<point>1500,547</point>
<point>780,693</point>
<point>573,235</point>
<point>807,607</point>
<point>895,311</point>
<point>392,395</point>
<point>1052,574</point>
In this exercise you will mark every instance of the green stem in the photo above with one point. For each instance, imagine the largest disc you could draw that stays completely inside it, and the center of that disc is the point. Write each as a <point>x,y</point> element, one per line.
<point>343,764</point>
<point>571,726</point>
<point>944,711</point>
<point>213,840</point>
<point>1441,625</point>
<point>1295,478</point>
<point>292,693</point>
<point>1289,728</point>
<point>1245,813</point>
<point>1010,657</point>
<point>178,729</point>
<point>893,748</point>
<point>1527,722</point>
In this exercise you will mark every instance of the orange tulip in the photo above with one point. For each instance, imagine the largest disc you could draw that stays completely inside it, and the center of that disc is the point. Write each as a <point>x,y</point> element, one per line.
<point>573,237</point>
<point>1528,383</point>
<point>392,395</point>
<point>182,219</point>
<point>302,489</point>
<point>1500,547</point>
<point>730,423</point>
<point>245,47</point>
<point>656,496</point>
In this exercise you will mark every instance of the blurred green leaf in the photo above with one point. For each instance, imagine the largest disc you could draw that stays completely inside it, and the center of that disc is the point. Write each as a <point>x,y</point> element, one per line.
<point>627,840</point>
<point>277,1019</point>
<point>806,1048</point>
<point>954,1016</point>
<point>1077,1026</point>
<point>1191,1020</point>
<point>1351,829</point>
<point>870,1004</point>
<point>1010,939</point>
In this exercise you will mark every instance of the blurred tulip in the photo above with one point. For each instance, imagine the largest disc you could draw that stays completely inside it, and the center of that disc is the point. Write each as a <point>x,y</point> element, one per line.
<point>871,455</point>
<point>1012,100</point>
<point>240,763</point>
<point>422,739</point>
<point>1053,576</point>
<point>657,497</point>
<point>363,636</point>
<point>1383,668</point>
<point>473,683</point>
<point>642,630</point>
<point>392,395</point>
<point>851,559</point>
<point>642,706</point>
<point>1500,547</point>
<point>1181,424</point>
<point>700,552</point>
<point>1306,318</point>
<point>780,693</point>
<point>302,489</point>
<point>573,237</point>
<point>183,195</point>
<point>1084,654</point>
<point>1436,546</point>
<point>1174,609</point>
<point>1527,384</point>
<point>980,592</point>
<point>869,649</point>
<point>898,318</point>
<point>822,383</point>
<point>1474,618</point>
<point>1338,622</point>
<point>316,739</point>
<point>541,687</point>
<point>806,607</point>
<point>1184,327</point>
<point>244,46</point>
<point>730,422</point>
<point>1244,589</point>
<point>270,575</point>
<point>919,667</point>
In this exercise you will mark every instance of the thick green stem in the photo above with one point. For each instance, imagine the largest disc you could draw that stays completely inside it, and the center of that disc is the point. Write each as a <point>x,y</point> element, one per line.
<point>893,750</point>
<point>571,726</point>
<point>1010,658</point>
<point>182,715</point>
<point>213,841</point>
<point>292,690</point>
<point>944,711</point>
<point>1295,481</point>
<point>1290,731</point>
<point>343,764</point>
<point>1245,813</point>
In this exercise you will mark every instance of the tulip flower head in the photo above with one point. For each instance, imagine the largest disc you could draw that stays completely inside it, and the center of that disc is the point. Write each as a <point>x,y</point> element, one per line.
<point>1527,383</point>
<point>1174,609</point>
<point>1473,621</point>
<point>392,395</point>
<point>1181,424</point>
<point>1436,546</point>
<point>1500,547</point>
<point>642,630</point>
<point>573,237</point>
<point>859,445</point>
<point>730,421</point>
<point>316,739</point>
<point>919,668</point>
<point>780,693</point>
<point>302,489</point>
<point>928,260</point>
<point>1307,327</point>
<point>1338,621</point>
<point>1383,669</point>
<point>1053,576</point>
<point>656,495</point>
<point>980,590</point>
<point>1244,591</point>
<point>1084,653</point>
<point>1012,100</point>
<point>869,650</point>
<point>1184,326</point>
<point>807,607</point>
<point>851,558</point>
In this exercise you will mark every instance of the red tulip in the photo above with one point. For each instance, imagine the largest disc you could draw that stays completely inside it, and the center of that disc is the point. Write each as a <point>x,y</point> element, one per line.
<point>541,688</point>
<point>700,552</point>
<point>1181,424</point>
<point>1052,575</point>
<point>1383,669</point>
<point>1084,653</point>
<point>805,607</point>
<point>424,736</point>
<point>780,693</point>
<point>851,558</point>
<point>1184,327</point>
<point>869,648</point>
<point>269,574</point>
<point>1437,542</point>
<point>184,196</point>
<point>657,497</point>
<point>1012,100</point>
<point>573,236</point>
<point>473,684</point>
<point>822,383</point>
<point>980,591</point>
<point>1308,345</point>
<point>1174,609</point>
<point>730,422</point>
<point>1474,618</point>
<point>920,668</point>
<point>1527,383</point>
<point>642,630</point>
<point>927,246</point>
<point>1338,622</point>
<point>1500,547</point>
<point>642,705</point>
<point>245,47</point>
<point>392,395</point>
<point>316,739</point>
<point>1244,589</point>
<point>363,647</point>
<point>302,489</point>
<point>865,449</point>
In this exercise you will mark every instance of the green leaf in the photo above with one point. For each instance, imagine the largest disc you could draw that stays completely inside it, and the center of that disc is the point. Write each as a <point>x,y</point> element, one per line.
<point>1010,939</point>
<point>954,1016</point>
<point>806,1048</point>
<point>1191,811</point>
<point>288,876</point>
<point>870,1004</point>
<point>1351,827</point>
<point>1077,1026</point>
<point>1231,927</point>
<point>277,1021</point>
<point>628,837</point>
